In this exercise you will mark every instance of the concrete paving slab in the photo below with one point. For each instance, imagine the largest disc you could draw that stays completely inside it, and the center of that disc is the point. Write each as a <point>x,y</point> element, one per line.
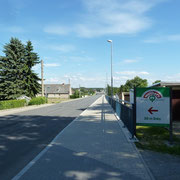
<point>92,147</point>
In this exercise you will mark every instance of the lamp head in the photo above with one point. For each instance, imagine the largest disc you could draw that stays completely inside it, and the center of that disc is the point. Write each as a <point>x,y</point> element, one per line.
<point>110,41</point>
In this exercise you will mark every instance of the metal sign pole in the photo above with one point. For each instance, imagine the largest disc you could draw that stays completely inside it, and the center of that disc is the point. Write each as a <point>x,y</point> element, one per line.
<point>134,114</point>
<point>171,124</point>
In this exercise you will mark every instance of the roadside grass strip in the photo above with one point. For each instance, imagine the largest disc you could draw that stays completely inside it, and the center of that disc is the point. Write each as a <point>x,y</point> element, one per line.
<point>56,100</point>
<point>157,139</point>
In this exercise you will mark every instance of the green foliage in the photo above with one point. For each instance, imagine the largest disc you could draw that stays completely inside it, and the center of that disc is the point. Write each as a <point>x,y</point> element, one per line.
<point>116,90</point>
<point>157,81</point>
<point>8,104</point>
<point>16,75</point>
<point>108,90</point>
<point>136,82</point>
<point>31,81</point>
<point>12,70</point>
<point>38,101</point>
<point>75,95</point>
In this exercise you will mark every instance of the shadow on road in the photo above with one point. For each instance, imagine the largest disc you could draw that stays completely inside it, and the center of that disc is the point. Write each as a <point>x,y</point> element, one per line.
<point>23,137</point>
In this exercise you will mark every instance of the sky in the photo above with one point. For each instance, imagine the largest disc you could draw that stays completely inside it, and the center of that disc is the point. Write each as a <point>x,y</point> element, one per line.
<point>71,37</point>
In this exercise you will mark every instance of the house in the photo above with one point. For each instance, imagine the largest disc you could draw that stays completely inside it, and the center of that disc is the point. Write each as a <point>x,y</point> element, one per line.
<point>124,96</point>
<point>57,90</point>
<point>175,97</point>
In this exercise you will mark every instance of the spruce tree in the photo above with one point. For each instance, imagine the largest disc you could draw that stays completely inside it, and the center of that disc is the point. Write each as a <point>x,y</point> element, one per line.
<point>12,70</point>
<point>31,79</point>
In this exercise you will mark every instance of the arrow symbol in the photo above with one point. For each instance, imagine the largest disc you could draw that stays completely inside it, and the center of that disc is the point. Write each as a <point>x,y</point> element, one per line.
<point>151,110</point>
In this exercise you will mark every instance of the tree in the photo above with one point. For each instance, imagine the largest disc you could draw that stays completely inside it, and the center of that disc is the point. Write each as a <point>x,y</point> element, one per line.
<point>108,90</point>
<point>115,90</point>
<point>16,75</point>
<point>157,81</point>
<point>136,82</point>
<point>31,78</point>
<point>12,69</point>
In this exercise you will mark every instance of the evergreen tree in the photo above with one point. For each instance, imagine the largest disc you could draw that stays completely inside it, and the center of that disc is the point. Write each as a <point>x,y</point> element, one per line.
<point>12,70</point>
<point>31,79</point>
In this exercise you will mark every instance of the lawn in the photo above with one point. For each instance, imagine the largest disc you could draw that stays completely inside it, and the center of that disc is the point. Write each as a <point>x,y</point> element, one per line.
<point>157,139</point>
<point>56,100</point>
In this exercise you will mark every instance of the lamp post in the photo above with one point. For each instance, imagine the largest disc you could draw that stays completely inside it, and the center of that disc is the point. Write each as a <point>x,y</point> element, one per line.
<point>110,41</point>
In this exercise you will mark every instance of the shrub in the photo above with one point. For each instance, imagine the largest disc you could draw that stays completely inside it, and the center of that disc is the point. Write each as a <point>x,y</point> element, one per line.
<point>8,104</point>
<point>38,101</point>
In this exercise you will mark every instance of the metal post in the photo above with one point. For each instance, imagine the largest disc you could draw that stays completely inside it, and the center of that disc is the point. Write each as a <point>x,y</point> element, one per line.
<point>111,72</point>
<point>171,125</point>
<point>79,91</point>
<point>110,41</point>
<point>134,114</point>
<point>42,79</point>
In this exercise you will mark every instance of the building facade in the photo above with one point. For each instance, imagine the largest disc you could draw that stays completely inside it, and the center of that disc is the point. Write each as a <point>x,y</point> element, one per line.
<point>57,90</point>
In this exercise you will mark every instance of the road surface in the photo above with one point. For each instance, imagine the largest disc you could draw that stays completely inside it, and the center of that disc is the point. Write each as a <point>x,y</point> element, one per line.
<point>24,135</point>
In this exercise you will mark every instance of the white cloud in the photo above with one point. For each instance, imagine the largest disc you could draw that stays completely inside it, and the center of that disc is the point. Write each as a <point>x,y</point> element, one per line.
<point>56,29</point>
<point>172,77</point>
<point>133,73</point>
<point>103,17</point>
<point>128,61</point>
<point>12,29</point>
<point>165,38</point>
<point>81,59</point>
<point>78,79</point>
<point>51,65</point>
<point>62,48</point>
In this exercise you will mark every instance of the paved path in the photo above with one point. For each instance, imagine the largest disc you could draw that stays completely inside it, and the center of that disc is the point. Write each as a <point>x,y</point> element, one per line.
<point>91,147</point>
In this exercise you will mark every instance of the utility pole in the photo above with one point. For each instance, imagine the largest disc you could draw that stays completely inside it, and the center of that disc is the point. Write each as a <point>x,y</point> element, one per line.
<point>110,41</point>
<point>79,91</point>
<point>42,79</point>
<point>106,85</point>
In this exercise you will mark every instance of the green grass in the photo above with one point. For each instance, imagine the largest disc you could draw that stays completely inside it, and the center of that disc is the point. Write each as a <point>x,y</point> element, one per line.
<point>157,139</point>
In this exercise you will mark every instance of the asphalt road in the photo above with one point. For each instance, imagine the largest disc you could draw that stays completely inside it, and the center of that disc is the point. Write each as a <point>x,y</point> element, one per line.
<point>24,135</point>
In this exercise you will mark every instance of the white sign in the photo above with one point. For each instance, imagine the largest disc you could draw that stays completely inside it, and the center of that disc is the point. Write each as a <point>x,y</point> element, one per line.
<point>153,106</point>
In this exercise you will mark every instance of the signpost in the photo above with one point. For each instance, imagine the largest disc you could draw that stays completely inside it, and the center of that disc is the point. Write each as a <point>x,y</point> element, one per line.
<point>153,106</point>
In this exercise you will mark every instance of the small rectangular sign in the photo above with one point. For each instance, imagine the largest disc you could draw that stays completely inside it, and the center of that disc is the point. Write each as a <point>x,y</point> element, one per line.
<point>153,106</point>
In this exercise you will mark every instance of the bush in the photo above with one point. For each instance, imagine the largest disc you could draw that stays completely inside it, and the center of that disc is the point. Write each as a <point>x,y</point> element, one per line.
<point>8,104</point>
<point>75,95</point>
<point>38,101</point>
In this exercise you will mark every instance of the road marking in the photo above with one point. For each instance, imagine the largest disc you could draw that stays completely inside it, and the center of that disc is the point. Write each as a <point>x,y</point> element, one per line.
<point>31,163</point>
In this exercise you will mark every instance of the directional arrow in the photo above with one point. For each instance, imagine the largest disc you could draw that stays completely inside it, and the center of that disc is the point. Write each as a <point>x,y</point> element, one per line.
<point>151,110</point>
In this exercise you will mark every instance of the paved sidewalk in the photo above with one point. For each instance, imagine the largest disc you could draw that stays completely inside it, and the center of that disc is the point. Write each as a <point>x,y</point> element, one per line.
<point>92,147</point>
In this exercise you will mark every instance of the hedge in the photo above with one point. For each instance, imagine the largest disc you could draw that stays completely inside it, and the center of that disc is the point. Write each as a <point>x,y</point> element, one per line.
<point>8,104</point>
<point>38,101</point>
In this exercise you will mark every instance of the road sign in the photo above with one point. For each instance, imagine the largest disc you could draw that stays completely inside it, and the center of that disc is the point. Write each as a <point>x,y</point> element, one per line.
<point>153,106</point>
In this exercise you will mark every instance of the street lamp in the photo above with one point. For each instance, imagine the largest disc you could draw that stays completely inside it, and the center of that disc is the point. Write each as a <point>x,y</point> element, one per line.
<point>110,41</point>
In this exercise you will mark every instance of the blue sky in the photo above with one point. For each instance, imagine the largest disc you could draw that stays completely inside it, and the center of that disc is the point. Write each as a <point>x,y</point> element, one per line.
<point>71,37</point>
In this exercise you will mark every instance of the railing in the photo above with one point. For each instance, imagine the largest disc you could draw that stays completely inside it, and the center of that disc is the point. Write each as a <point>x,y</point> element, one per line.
<point>126,112</point>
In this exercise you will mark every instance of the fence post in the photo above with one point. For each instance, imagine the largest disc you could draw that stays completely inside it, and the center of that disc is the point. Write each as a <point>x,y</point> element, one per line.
<point>134,114</point>
<point>171,124</point>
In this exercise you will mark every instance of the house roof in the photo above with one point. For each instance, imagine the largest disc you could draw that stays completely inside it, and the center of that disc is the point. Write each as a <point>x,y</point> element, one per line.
<point>57,88</point>
<point>167,84</point>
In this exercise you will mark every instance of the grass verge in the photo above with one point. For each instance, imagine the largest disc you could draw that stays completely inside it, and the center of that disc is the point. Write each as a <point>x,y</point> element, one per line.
<point>157,139</point>
<point>38,100</point>
<point>56,100</point>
